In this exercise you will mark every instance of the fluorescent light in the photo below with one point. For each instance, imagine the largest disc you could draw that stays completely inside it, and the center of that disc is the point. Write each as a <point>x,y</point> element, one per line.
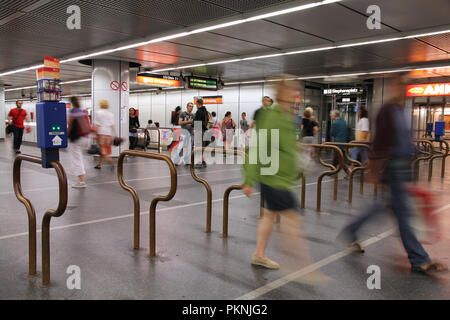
<point>192,66</point>
<point>368,42</point>
<point>76,81</point>
<point>16,89</point>
<point>427,34</point>
<point>290,10</point>
<point>224,61</point>
<point>310,50</point>
<point>264,56</point>
<point>218,26</point>
<point>21,70</point>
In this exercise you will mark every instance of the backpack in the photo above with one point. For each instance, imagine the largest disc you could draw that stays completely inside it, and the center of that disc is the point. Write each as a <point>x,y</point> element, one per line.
<point>209,120</point>
<point>80,127</point>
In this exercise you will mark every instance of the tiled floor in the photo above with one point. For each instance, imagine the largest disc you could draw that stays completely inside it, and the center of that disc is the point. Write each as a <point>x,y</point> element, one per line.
<point>95,233</point>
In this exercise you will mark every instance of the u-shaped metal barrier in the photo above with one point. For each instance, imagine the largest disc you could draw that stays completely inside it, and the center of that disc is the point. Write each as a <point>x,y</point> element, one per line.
<point>132,191</point>
<point>356,169</point>
<point>334,171</point>
<point>226,193</point>
<point>442,154</point>
<point>62,205</point>
<point>428,156</point>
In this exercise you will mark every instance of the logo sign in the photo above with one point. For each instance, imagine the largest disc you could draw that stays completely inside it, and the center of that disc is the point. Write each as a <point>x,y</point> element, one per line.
<point>115,85</point>
<point>342,91</point>
<point>202,83</point>
<point>158,80</point>
<point>428,89</point>
<point>210,99</point>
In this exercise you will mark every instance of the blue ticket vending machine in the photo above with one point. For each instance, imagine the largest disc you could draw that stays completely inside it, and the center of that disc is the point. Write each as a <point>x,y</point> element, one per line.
<point>51,129</point>
<point>439,130</point>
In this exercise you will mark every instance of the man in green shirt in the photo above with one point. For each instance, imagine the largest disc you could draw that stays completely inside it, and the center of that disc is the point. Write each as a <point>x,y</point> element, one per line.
<point>277,176</point>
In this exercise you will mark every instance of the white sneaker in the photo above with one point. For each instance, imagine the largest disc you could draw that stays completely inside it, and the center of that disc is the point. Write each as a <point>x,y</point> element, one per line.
<point>79,185</point>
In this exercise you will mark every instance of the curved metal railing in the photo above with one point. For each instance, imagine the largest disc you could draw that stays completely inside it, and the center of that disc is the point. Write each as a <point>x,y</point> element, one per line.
<point>333,171</point>
<point>62,205</point>
<point>359,167</point>
<point>428,156</point>
<point>441,154</point>
<point>132,191</point>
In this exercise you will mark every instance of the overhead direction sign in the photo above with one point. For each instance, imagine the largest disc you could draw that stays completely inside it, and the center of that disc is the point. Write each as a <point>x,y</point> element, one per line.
<point>158,80</point>
<point>202,83</point>
<point>428,89</point>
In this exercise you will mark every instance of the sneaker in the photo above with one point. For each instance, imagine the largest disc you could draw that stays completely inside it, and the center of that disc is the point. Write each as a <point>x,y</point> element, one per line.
<point>198,166</point>
<point>269,264</point>
<point>97,167</point>
<point>79,185</point>
<point>204,164</point>
<point>17,151</point>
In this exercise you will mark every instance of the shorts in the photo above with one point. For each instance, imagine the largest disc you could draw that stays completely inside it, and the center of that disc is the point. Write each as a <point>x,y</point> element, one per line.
<point>279,199</point>
<point>308,140</point>
<point>105,144</point>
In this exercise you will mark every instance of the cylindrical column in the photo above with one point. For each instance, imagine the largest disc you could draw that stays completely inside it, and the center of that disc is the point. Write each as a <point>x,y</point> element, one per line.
<point>2,112</point>
<point>111,81</point>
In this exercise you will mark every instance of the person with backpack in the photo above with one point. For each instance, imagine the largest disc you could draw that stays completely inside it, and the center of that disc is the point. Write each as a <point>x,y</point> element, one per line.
<point>16,118</point>
<point>339,132</point>
<point>204,117</point>
<point>227,127</point>
<point>78,131</point>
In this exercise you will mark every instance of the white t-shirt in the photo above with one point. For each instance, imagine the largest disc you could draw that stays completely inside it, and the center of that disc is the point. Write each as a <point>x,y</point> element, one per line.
<point>104,119</point>
<point>362,125</point>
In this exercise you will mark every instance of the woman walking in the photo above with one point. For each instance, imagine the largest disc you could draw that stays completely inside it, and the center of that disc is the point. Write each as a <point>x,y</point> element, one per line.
<point>78,132</point>
<point>104,124</point>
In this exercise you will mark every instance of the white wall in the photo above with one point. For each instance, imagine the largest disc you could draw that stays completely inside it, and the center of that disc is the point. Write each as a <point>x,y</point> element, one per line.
<point>158,107</point>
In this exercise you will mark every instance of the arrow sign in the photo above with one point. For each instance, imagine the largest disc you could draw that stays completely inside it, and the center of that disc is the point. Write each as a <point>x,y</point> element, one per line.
<point>57,141</point>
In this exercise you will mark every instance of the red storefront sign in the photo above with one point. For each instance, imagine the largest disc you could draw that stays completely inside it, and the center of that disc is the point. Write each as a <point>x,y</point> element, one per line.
<point>428,89</point>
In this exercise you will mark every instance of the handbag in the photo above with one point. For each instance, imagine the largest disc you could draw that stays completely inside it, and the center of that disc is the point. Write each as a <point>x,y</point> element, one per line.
<point>117,141</point>
<point>94,149</point>
<point>9,128</point>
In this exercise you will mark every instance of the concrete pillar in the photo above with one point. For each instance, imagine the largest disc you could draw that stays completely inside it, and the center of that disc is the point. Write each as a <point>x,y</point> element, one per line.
<point>111,81</point>
<point>2,113</point>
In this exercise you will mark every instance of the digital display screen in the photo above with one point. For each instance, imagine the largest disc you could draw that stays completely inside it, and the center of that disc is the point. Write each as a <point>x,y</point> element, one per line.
<point>202,83</point>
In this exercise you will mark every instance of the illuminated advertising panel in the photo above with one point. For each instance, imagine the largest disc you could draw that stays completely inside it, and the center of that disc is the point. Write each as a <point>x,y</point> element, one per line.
<point>158,80</point>
<point>428,90</point>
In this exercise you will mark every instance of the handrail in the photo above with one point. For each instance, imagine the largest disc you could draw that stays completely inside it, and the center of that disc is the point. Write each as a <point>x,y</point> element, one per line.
<point>169,196</point>
<point>356,169</point>
<point>159,137</point>
<point>334,170</point>
<point>62,205</point>
<point>442,153</point>
<point>205,183</point>
<point>428,156</point>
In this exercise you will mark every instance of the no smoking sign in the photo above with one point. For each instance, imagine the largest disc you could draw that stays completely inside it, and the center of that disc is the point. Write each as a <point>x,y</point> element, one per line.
<point>115,85</point>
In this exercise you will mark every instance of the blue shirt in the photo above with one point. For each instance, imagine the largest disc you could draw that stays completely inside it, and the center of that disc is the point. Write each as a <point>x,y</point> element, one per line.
<point>339,130</point>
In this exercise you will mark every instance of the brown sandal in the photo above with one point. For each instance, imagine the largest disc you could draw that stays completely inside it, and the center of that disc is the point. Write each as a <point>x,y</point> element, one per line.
<point>430,268</point>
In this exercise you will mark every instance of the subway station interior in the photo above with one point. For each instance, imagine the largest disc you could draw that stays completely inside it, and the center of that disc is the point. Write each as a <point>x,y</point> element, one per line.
<point>145,227</point>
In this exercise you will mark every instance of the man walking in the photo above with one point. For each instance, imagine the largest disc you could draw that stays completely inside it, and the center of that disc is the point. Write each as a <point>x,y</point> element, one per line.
<point>16,118</point>
<point>202,116</point>
<point>339,132</point>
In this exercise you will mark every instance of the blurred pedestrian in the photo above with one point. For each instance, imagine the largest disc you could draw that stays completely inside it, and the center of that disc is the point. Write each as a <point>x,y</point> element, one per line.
<point>16,118</point>
<point>267,102</point>
<point>186,121</point>
<point>78,131</point>
<point>339,132</point>
<point>227,126</point>
<point>104,123</point>
<point>362,135</point>
<point>390,164</point>
<point>275,185</point>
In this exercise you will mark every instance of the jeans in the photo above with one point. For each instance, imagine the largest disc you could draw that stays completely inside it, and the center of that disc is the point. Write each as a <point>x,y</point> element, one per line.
<point>336,160</point>
<point>397,173</point>
<point>18,134</point>
<point>184,144</point>
<point>362,152</point>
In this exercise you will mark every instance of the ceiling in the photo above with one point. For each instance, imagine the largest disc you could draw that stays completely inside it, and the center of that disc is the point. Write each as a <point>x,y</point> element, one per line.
<point>32,29</point>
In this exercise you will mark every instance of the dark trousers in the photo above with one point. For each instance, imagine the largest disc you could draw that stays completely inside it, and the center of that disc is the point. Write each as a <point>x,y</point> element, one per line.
<point>133,142</point>
<point>18,135</point>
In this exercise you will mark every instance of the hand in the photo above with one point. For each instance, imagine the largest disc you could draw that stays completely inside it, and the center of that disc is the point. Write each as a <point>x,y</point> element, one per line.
<point>247,190</point>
